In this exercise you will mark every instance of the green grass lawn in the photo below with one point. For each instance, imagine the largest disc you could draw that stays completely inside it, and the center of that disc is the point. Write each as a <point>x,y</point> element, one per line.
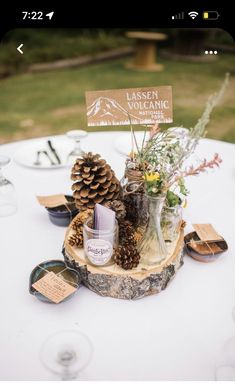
<point>48,103</point>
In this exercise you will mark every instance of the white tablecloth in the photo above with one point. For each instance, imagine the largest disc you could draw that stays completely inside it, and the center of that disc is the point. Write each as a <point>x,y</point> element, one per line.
<point>176,335</point>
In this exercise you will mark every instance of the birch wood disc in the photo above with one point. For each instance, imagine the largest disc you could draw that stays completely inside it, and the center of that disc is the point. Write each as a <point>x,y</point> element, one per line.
<point>112,280</point>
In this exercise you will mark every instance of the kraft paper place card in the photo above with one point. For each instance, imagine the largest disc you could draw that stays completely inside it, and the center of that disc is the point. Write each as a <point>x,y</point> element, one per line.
<point>149,105</point>
<point>52,200</point>
<point>207,233</point>
<point>53,287</point>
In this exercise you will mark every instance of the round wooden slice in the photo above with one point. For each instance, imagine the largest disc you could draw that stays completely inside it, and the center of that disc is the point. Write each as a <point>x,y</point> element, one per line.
<point>111,280</point>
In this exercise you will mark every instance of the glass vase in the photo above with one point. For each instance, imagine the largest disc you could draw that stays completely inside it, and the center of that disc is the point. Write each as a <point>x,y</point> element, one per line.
<point>170,222</point>
<point>153,248</point>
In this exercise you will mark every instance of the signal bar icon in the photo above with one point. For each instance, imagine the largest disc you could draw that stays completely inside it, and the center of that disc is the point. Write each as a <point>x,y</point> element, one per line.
<point>178,16</point>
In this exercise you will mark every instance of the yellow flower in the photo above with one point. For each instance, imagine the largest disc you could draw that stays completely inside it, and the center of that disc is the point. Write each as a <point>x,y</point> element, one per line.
<point>185,203</point>
<point>151,176</point>
<point>132,155</point>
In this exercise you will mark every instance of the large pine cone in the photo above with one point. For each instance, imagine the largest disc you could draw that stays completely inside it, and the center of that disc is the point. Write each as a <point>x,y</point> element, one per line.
<point>127,256</point>
<point>95,182</point>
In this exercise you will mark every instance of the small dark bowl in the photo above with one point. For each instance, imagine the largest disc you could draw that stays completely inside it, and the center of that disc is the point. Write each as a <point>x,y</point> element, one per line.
<point>199,256</point>
<point>60,215</point>
<point>55,266</point>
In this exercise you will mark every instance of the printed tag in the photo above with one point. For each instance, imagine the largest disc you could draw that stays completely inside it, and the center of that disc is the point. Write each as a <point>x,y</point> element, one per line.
<point>53,287</point>
<point>52,200</point>
<point>207,233</point>
<point>148,105</point>
<point>98,251</point>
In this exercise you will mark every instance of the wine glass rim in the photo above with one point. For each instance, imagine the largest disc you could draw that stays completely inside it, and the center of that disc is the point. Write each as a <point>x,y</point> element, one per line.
<point>69,331</point>
<point>76,132</point>
<point>74,331</point>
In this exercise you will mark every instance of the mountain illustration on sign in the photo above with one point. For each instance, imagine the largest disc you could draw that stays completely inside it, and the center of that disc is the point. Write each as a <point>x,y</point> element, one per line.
<point>104,108</point>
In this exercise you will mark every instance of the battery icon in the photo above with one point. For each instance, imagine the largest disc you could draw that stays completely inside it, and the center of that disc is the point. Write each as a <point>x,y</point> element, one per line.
<point>210,15</point>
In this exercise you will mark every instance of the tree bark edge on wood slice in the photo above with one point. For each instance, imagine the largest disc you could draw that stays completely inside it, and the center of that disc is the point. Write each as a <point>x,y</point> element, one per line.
<point>125,285</point>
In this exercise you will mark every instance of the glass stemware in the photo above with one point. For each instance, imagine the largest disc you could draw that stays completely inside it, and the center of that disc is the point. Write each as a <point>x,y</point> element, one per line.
<point>77,135</point>
<point>225,365</point>
<point>66,353</point>
<point>233,314</point>
<point>8,204</point>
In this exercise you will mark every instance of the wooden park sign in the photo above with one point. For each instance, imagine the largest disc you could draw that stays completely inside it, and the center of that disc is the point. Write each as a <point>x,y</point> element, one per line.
<point>148,105</point>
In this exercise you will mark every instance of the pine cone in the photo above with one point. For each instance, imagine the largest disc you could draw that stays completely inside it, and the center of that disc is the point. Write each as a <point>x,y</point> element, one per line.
<point>95,182</point>
<point>84,215</point>
<point>76,225</point>
<point>118,207</point>
<point>127,256</point>
<point>127,233</point>
<point>77,238</point>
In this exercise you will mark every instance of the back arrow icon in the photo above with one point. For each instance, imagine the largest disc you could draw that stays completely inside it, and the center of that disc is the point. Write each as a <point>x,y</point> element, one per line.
<point>19,48</point>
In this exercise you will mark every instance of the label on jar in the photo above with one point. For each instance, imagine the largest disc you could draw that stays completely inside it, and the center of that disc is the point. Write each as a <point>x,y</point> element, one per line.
<point>98,251</point>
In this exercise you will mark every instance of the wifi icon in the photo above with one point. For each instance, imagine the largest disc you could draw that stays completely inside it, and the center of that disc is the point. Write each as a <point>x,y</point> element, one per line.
<point>193,14</point>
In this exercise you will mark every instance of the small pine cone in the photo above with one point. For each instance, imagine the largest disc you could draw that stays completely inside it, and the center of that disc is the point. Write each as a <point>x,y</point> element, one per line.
<point>127,233</point>
<point>129,239</point>
<point>118,207</point>
<point>76,225</point>
<point>76,239</point>
<point>84,215</point>
<point>127,256</point>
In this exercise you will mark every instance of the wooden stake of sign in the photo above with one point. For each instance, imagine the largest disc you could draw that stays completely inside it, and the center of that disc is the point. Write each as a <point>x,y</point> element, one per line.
<point>148,105</point>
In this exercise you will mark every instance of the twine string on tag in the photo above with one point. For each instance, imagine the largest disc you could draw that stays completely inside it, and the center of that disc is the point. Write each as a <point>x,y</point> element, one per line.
<point>136,185</point>
<point>59,274</point>
<point>200,242</point>
<point>68,208</point>
<point>70,211</point>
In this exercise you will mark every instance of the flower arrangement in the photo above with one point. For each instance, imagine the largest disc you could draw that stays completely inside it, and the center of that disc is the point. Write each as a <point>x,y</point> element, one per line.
<point>162,156</point>
<point>160,162</point>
